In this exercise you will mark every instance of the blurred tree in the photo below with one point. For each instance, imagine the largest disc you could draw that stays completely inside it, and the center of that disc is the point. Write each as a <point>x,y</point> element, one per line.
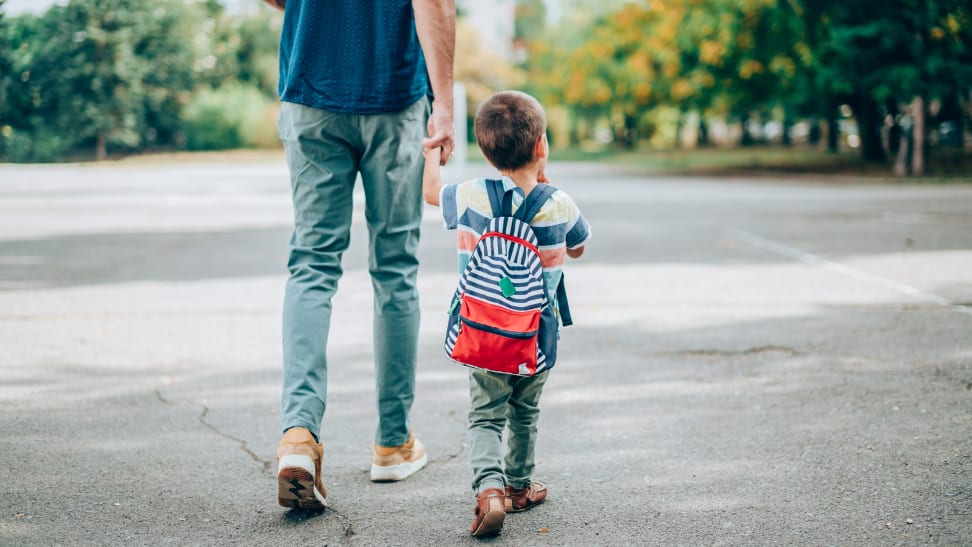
<point>871,54</point>
<point>256,54</point>
<point>164,46</point>
<point>605,76</point>
<point>785,59</point>
<point>482,71</point>
<point>33,102</point>
<point>101,78</point>
<point>531,19</point>
<point>6,63</point>
<point>100,73</point>
<point>6,75</point>
<point>215,41</point>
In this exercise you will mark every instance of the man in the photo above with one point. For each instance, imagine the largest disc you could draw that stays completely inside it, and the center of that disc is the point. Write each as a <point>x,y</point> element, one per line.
<point>355,80</point>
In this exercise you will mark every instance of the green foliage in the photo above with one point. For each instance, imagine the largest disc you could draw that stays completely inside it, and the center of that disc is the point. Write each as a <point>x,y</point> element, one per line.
<point>98,74</point>
<point>232,116</point>
<point>6,63</point>
<point>531,18</point>
<point>762,58</point>
<point>95,76</point>
<point>6,68</point>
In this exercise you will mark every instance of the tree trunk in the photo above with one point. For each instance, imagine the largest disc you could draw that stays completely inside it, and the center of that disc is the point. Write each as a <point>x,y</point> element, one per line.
<point>679,126</point>
<point>785,136</point>
<point>960,125</point>
<point>918,136</point>
<point>950,118</point>
<point>573,127</point>
<point>813,134</point>
<point>630,131</point>
<point>894,132</point>
<point>903,147</point>
<point>747,138</point>
<point>833,130</point>
<point>101,148</point>
<point>703,136</point>
<point>868,125</point>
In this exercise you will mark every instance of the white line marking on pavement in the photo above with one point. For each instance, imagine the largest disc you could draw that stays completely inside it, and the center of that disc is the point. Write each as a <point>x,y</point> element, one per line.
<point>847,271</point>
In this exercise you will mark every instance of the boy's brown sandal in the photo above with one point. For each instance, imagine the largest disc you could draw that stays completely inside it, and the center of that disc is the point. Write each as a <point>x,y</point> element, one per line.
<point>521,499</point>
<point>490,512</point>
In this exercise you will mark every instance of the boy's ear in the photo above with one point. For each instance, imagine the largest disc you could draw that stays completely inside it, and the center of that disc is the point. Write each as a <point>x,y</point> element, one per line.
<point>540,149</point>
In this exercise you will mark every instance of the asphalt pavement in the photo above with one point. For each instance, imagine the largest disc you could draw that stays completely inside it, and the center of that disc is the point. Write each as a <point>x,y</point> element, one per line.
<point>755,361</point>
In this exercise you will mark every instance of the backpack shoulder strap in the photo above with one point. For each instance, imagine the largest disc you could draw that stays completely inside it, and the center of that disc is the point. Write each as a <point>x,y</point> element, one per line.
<point>500,200</point>
<point>562,304</point>
<point>533,202</point>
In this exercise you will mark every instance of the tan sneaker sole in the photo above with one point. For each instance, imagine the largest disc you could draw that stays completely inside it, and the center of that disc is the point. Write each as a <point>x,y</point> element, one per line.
<point>391,473</point>
<point>296,489</point>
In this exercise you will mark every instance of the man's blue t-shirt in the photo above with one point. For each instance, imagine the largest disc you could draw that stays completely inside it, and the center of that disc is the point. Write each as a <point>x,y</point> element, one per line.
<point>352,56</point>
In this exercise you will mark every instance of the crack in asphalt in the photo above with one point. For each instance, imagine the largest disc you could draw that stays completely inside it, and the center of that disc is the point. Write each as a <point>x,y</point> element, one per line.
<point>244,446</point>
<point>294,515</point>
<point>297,516</point>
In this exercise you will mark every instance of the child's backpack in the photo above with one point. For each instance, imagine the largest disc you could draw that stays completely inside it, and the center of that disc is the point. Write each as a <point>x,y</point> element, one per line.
<point>501,318</point>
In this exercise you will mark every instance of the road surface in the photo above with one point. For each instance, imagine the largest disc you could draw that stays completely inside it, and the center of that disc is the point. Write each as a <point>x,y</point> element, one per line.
<point>755,361</point>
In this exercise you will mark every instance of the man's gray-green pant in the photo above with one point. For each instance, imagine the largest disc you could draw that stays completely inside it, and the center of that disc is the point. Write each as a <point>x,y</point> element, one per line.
<point>498,401</point>
<point>325,153</point>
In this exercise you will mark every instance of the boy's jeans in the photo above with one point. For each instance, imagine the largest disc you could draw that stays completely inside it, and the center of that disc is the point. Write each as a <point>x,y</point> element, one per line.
<point>325,153</point>
<point>495,400</point>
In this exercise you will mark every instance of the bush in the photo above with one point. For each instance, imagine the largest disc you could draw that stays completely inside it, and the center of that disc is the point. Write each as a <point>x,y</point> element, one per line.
<point>39,145</point>
<point>232,116</point>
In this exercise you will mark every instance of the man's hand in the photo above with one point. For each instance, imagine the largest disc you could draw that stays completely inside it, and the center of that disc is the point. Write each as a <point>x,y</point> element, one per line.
<point>279,4</point>
<point>442,132</point>
<point>435,24</point>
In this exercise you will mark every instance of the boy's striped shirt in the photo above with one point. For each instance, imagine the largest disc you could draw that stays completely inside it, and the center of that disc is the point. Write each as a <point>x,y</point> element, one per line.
<point>558,225</point>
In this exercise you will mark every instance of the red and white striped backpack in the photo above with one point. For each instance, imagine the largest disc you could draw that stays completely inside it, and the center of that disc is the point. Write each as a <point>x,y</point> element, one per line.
<point>501,318</point>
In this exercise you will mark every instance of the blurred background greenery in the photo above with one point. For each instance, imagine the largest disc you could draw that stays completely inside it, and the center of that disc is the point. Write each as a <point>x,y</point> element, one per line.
<point>881,83</point>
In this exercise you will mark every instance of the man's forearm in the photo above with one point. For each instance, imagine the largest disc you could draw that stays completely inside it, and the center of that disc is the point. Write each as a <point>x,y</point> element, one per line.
<point>435,24</point>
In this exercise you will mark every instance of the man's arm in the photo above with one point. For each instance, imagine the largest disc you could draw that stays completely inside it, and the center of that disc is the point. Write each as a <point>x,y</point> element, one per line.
<point>279,4</point>
<point>435,24</point>
<point>431,180</point>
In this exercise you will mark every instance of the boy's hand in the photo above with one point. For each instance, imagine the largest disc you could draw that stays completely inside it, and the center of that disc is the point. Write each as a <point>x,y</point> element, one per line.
<point>432,154</point>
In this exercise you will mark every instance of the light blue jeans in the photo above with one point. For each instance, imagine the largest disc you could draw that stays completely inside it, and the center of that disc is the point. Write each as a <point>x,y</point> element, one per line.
<point>497,402</point>
<point>325,153</point>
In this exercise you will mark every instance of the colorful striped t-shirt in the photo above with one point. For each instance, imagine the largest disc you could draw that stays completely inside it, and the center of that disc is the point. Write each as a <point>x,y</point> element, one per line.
<point>559,225</point>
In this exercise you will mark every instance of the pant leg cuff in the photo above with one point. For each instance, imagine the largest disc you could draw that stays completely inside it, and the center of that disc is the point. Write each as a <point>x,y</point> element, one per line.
<point>490,483</point>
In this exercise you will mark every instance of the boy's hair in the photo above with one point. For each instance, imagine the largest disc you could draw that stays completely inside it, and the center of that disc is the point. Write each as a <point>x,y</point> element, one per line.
<point>508,125</point>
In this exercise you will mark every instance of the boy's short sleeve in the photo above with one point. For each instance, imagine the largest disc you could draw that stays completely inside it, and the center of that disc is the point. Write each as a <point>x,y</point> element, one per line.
<point>449,204</point>
<point>578,229</point>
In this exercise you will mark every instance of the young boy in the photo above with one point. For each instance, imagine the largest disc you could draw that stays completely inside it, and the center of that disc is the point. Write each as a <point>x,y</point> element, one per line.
<point>511,130</point>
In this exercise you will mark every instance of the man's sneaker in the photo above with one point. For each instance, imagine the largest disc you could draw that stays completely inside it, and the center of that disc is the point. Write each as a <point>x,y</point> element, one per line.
<point>394,463</point>
<point>299,483</point>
